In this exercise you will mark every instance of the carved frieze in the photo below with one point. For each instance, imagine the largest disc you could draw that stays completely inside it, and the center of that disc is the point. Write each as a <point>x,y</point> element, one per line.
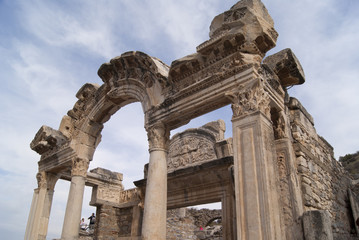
<point>249,99</point>
<point>79,166</point>
<point>108,194</point>
<point>129,195</point>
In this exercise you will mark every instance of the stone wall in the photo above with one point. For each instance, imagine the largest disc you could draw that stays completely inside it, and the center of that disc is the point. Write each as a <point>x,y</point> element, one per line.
<point>186,223</point>
<point>324,182</point>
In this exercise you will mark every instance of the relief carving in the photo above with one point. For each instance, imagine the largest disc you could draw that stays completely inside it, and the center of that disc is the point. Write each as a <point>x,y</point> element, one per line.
<point>189,151</point>
<point>158,137</point>
<point>279,128</point>
<point>129,195</point>
<point>246,100</point>
<point>108,194</point>
<point>79,167</point>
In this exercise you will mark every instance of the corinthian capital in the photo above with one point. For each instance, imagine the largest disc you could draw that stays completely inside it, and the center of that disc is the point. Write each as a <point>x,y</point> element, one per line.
<point>41,180</point>
<point>158,137</point>
<point>248,99</point>
<point>79,166</point>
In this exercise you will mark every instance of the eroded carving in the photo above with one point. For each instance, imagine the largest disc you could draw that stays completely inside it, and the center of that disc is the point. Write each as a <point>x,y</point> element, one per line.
<point>41,180</point>
<point>79,166</point>
<point>246,100</point>
<point>129,195</point>
<point>47,139</point>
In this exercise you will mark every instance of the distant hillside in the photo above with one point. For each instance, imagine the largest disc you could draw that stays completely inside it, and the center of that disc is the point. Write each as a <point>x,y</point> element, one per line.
<point>351,163</point>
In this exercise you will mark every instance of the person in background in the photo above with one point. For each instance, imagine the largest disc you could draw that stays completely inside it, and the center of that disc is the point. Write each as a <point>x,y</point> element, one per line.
<point>92,221</point>
<point>83,225</point>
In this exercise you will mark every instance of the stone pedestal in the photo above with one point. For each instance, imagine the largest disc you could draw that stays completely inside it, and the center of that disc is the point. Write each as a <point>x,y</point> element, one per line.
<point>257,210</point>
<point>155,208</point>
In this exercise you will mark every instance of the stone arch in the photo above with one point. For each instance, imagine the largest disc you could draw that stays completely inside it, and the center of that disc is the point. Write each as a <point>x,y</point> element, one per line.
<point>132,77</point>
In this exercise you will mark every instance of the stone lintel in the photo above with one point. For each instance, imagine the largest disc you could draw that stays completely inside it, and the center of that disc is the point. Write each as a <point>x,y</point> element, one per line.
<point>202,97</point>
<point>96,179</point>
<point>57,161</point>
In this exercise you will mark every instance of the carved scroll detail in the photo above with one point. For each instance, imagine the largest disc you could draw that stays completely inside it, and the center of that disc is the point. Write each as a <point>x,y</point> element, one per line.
<point>246,100</point>
<point>79,167</point>
<point>158,137</point>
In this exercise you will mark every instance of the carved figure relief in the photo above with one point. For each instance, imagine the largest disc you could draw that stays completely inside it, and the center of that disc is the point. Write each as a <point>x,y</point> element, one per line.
<point>79,166</point>
<point>279,128</point>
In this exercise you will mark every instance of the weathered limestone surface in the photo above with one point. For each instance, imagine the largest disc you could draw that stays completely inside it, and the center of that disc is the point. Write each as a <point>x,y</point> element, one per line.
<point>273,177</point>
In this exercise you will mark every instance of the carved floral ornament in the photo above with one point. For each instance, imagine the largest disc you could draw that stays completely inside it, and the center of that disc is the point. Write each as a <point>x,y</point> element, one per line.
<point>246,100</point>
<point>158,137</point>
<point>79,166</point>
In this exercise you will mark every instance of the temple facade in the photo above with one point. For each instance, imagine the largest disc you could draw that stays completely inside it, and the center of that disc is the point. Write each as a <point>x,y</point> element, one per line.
<point>276,178</point>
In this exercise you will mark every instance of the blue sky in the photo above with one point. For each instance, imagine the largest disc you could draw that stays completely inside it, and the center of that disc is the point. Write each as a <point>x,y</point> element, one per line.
<point>49,49</point>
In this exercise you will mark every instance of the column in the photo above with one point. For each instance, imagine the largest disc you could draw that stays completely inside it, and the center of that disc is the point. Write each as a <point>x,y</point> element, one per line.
<point>257,208</point>
<point>30,220</point>
<point>70,228</point>
<point>155,208</point>
<point>51,180</point>
<point>228,214</point>
<point>289,182</point>
<point>33,232</point>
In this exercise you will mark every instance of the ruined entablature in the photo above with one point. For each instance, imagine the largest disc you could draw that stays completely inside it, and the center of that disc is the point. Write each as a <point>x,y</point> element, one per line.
<point>286,66</point>
<point>238,37</point>
<point>195,146</point>
<point>47,139</point>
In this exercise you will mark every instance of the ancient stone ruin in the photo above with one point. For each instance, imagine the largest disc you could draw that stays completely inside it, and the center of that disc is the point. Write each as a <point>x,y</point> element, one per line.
<point>275,178</point>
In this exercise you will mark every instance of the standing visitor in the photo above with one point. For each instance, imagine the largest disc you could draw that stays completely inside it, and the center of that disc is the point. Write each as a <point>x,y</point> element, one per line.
<point>92,221</point>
